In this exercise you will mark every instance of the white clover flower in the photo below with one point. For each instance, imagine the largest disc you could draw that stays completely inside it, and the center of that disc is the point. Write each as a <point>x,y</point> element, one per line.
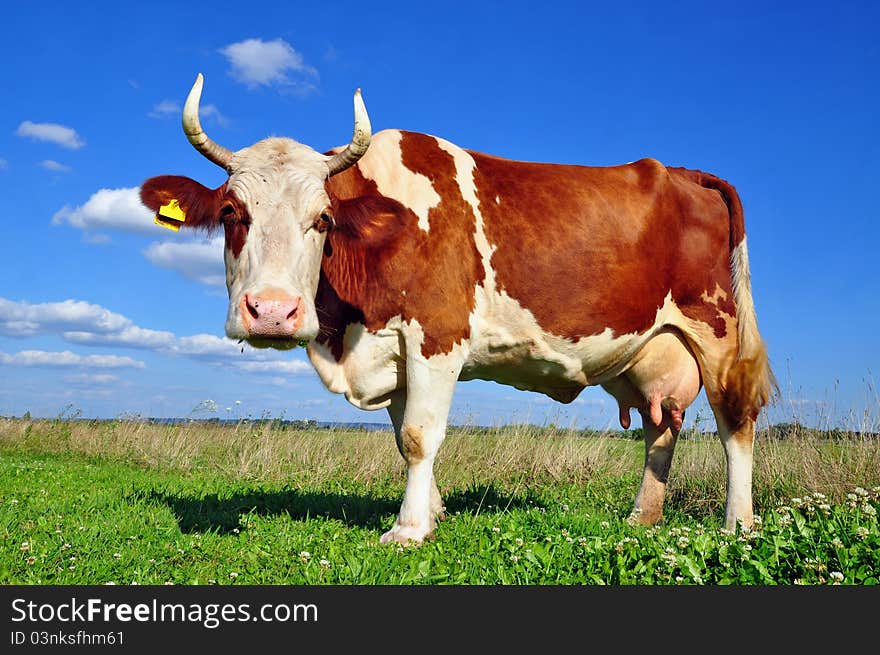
<point>518,541</point>
<point>605,525</point>
<point>837,575</point>
<point>861,491</point>
<point>683,542</point>
<point>514,558</point>
<point>862,532</point>
<point>496,529</point>
<point>25,546</point>
<point>305,555</point>
<point>325,563</point>
<point>233,574</point>
<point>117,555</point>
<point>679,579</point>
<point>869,509</point>
<point>66,547</point>
<point>836,542</point>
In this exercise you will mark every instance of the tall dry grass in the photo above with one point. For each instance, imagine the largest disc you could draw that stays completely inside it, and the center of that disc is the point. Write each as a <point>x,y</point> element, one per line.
<point>788,461</point>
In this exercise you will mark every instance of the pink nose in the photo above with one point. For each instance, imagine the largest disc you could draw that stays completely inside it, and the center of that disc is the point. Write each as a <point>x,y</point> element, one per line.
<point>271,313</point>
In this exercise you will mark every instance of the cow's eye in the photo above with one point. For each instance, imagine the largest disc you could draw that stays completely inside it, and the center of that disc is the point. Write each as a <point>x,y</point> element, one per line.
<point>324,222</point>
<point>228,213</point>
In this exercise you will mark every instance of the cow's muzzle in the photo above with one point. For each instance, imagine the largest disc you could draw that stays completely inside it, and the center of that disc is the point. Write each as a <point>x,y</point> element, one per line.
<point>271,314</point>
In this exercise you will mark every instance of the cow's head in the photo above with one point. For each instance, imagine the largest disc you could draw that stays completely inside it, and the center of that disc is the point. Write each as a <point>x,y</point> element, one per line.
<point>275,212</point>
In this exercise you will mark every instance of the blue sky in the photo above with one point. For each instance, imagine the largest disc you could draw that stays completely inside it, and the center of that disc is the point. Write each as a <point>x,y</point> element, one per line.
<point>103,312</point>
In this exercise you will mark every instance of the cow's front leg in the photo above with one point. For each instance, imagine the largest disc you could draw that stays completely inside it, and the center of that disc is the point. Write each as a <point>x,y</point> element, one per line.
<point>430,385</point>
<point>395,412</point>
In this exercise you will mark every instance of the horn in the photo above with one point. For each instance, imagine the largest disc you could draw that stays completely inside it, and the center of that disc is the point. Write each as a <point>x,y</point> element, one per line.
<point>193,128</point>
<point>359,142</point>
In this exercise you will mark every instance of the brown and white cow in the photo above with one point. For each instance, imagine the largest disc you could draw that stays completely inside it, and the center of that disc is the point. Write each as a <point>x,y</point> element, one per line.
<point>408,263</point>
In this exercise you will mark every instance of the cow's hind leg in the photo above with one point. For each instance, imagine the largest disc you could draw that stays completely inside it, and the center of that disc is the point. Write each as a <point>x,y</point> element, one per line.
<point>659,447</point>
<point>662,380</point>
<point>430,385</point>
<point>735,391</point>
<point>738,450</point>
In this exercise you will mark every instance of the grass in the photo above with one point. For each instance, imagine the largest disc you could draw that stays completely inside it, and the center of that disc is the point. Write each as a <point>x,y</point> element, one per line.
<point>126,502</point>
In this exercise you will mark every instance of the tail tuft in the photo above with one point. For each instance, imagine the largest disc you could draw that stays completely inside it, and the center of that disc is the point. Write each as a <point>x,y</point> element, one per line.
<point>750,382</point>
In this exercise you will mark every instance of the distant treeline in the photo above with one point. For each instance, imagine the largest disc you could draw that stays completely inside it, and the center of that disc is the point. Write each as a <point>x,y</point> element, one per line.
<point>778,431</point>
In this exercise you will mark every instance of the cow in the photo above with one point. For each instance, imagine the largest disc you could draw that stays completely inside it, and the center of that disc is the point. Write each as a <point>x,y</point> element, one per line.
<point>405,263</point>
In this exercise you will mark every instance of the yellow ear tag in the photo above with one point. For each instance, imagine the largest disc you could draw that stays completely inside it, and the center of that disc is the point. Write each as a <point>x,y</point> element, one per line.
<point>170,216</point>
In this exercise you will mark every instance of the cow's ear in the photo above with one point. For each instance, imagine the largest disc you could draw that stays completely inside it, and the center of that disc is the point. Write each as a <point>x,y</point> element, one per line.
<point>370,220</point>
<point>179,198</point>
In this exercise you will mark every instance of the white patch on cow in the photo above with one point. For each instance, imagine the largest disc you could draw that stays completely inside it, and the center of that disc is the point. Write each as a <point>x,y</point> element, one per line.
<point>497,200</point>
<point>508,345</point>
<point>281,182</point>
<point>369,369</point>
<point>383,164</point>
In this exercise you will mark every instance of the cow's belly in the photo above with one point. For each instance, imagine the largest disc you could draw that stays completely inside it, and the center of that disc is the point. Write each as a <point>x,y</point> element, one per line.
<point>508,346</point>
<point>371,367</point>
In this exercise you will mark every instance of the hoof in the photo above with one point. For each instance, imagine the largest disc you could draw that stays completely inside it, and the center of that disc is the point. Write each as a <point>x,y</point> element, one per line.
<point>406,534</point>
<point>640,516</point>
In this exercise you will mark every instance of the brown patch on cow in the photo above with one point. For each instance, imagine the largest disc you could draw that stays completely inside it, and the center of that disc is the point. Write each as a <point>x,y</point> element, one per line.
<point>200,204</point>
<point>205,209</point>
<point>623,237</point>
<point>411,443</point>
<point>383,265</point>
<point>236,223</point>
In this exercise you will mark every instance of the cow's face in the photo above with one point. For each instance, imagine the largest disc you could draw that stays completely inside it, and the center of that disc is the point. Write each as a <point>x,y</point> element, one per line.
<point>275,213</point>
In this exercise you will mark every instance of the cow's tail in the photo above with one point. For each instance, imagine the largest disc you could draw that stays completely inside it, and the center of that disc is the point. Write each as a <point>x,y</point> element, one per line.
<point>750,383</point>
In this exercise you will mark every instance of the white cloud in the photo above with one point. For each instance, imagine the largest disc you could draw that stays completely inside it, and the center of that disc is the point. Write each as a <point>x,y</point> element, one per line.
<point>200,261</point>
<point>131,337</point>
<point>23,319</point>
<point>88,324</point>
<point>292,367</point>
<point>206,346</point>
<point>66,358</point>
<point>164,109</point>
<point>51,132</point>
<point>210,112</point>
<point>52,165</point>
<point>3,164</point>
<point>119,209</point>
<point>264,63</point>
<point>167,108</point>
<point>95,378</point>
